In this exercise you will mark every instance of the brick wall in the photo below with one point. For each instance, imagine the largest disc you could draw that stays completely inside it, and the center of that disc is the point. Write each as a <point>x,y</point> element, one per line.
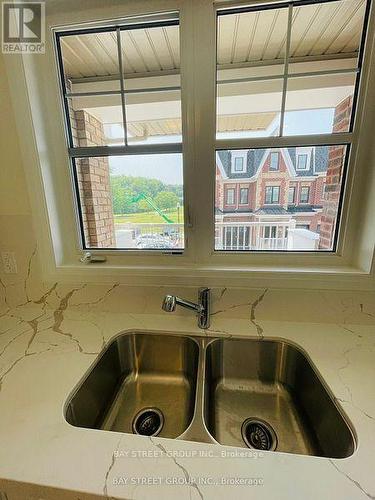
<point>331,195</point>
<point>94,182</point>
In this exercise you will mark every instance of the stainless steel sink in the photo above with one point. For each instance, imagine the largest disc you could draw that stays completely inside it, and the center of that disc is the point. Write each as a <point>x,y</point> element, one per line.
<point>261,394</point>
<point>138,379</point>
<point>266,392</point>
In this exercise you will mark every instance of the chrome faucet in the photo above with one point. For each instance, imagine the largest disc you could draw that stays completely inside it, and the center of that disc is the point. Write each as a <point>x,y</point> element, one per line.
<point>202,308</point>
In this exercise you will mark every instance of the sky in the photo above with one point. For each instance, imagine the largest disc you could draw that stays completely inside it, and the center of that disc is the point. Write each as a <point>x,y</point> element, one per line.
<point>168,167</point>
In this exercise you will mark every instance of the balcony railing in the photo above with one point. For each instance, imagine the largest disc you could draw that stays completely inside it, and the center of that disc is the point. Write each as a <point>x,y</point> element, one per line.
<point>141,235</point>
<point>252,235</point>
<point>264,236</point>
<point>230,236</point>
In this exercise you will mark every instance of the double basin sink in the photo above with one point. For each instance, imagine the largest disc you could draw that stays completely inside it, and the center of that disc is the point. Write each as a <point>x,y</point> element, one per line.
<point>261,394</point>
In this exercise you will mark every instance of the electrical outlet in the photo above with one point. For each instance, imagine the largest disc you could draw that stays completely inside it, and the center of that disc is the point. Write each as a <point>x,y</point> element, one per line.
<point>9,262</point>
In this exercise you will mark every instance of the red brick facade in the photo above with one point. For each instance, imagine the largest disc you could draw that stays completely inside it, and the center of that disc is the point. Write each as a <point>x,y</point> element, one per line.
<point>94,183</point>
<point>334,175</point>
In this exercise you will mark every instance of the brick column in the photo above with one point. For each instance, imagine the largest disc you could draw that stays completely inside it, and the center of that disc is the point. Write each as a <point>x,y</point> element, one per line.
<point>331,195</point>
<point>94,182</point>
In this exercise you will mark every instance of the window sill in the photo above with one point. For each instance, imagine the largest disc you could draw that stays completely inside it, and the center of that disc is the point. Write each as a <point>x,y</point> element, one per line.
<point>333,277</point>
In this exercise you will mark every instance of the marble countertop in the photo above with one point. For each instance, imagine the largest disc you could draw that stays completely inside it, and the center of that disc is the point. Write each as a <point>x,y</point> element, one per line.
<point>48,344</point>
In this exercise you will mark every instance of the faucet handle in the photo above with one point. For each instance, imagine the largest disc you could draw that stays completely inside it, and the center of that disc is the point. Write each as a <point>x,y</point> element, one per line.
<point>169,303</point>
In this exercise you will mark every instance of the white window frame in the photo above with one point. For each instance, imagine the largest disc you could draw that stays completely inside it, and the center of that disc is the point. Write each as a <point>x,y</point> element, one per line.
<point>236,155</point>
<point>273,153</point>
<point>300,195</point>
<point>306,166</point>
<point>44,155</point>
<point>293,202</point>
<point>231,190</point>
<point>304,151</point>
<point>273,188</point>
<point>247,196</point>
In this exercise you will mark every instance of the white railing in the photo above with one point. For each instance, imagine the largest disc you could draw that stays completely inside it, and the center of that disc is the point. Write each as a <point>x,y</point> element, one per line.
<point>252,235</point>
<point>144,235</point>
<point>228,236</point>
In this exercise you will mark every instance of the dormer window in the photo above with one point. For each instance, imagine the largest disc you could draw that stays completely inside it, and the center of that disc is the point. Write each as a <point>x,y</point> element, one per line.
<point>302,162</point>
<point>239,162</point>
<point>274,161</point>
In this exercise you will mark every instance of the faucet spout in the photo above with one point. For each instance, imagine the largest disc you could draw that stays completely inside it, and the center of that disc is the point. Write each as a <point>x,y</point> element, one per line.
<point>202,308</point>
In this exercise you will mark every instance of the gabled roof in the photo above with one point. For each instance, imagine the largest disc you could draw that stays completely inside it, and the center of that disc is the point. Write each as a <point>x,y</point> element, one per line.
<point>257,157</point>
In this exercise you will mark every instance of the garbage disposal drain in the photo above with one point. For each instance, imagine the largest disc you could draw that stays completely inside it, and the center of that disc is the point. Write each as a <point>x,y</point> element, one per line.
<point>148,422</point>
<point>258,434</point>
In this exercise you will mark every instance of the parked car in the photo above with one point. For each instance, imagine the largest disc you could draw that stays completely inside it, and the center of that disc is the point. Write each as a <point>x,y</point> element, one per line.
<point>153,241</point>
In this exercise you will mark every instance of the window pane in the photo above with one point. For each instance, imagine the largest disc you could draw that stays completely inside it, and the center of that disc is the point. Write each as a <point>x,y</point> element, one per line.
<point>275,211</point>
<point>151,49</point>
<point>249,109</point>
<point>274,162</point>
<point>326,29</point>
<point>86,56</point>
<point>244,196</point>
<point>250,37</point>
<point>247,41</point>
<point>96,120</point>
<point>153,117</point>
<point>132,202</point>
<point>319,104</point>
<point>291,194</point>
<point>238,164</point>
<point>304,196</point>
<point>153,99</point>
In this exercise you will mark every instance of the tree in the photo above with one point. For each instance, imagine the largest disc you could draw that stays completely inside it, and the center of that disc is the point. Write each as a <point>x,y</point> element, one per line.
<point>126,188</point>
<point>166,199</point>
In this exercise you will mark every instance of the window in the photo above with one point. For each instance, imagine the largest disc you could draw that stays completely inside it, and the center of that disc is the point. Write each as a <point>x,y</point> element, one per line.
<point>238,164</point>
<point>239,161</point>
<point>291,195</point>
<point>290,94</point>
<point>125,134</point>
<point>304,194</point>
<point>286,95</point>
<point>270,232</point>
<point>230,196</point>
<point>244,196</point>
<point>272,195</point>
<point>303,226</point>
<point>302,162</point>
<point>274,161</point>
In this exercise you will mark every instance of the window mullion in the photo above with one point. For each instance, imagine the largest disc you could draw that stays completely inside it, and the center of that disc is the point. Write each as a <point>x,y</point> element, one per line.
<point>122,87</point>
<point>286,63</point>
<point>204,40</point>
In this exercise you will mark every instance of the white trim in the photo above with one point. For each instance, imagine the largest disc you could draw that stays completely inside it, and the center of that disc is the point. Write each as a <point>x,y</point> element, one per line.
<point>220,165</point>
<point>238,154</point>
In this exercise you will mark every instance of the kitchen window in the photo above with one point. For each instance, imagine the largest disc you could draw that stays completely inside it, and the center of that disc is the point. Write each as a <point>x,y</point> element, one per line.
<point>146,146</point>
<point>301,106</point>
<point>272,195</point>
<point>304,194</point>
<point>125,134</point>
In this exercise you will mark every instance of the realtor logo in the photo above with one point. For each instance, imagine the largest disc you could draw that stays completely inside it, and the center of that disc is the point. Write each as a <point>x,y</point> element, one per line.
<point>23,28</point>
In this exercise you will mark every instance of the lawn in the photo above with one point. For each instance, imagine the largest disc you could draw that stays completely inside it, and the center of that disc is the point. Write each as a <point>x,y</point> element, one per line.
<point>150,217</point>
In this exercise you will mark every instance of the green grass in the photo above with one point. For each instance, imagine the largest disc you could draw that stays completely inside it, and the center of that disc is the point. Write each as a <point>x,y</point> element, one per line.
<point>151,217</point>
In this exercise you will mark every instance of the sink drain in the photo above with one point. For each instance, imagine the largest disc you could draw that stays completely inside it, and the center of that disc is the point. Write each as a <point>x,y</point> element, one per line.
<point>258,434</point>
<point>148,422</point>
